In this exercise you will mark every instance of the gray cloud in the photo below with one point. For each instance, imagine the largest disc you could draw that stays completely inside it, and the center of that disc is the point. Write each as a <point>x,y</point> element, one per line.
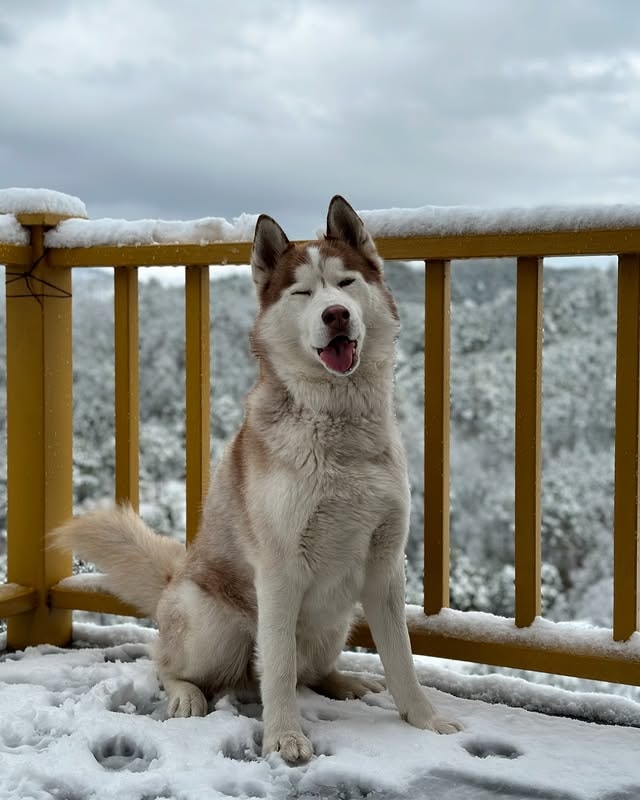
<point>206,108</point>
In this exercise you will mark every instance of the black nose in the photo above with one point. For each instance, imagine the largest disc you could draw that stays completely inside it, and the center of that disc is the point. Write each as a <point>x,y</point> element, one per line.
<point>336,318</point>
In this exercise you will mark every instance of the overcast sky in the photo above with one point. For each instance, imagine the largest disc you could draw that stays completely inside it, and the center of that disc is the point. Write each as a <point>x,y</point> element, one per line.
<point>187,108</point>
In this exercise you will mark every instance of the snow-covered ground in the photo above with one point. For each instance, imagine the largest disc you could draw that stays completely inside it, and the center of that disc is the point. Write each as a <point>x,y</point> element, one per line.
<point>90,722</point>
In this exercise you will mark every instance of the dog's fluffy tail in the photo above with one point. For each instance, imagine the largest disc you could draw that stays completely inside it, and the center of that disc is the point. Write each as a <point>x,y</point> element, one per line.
<point>138,563</point>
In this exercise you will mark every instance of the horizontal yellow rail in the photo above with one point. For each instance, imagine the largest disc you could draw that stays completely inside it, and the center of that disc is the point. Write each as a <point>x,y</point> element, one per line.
<point>72,599</point>
<point>16,599</point>
<point>552,659</point>
<point>18,255</point>
<point>153,255</point>
<point>621,666</point>
<point>494,245</point>
<point>511,245</point>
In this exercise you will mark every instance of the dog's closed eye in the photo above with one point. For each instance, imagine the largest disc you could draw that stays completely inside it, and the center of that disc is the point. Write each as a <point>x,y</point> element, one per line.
<point>346,282</point>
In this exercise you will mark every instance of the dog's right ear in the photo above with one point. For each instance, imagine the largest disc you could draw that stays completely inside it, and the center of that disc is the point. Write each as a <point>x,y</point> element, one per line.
<point>344,224</point>
<point>269,243</point>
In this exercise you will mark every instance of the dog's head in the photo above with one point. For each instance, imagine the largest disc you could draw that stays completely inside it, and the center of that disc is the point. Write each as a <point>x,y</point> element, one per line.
<point>323,306</point>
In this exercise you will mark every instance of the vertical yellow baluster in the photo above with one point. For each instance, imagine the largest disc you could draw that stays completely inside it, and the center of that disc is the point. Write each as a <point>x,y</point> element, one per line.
<point>528,439</point>
<point>127,404</point>
<point>197,391</point>
<point>625,566</point>
<point>436,435</point>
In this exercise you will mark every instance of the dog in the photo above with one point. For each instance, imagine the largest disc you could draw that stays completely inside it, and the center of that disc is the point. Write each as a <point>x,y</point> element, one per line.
<point>307,513</point>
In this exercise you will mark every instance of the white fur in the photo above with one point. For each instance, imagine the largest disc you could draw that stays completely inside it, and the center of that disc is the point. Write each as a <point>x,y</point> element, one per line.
<point>315,520</point>
<point>294,329</point>
<point>117,538</point>
<point>314,263</point>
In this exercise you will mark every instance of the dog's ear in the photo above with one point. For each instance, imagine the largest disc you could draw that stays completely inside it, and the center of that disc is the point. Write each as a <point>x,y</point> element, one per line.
<point>344,224</point>
<point>269,243</point>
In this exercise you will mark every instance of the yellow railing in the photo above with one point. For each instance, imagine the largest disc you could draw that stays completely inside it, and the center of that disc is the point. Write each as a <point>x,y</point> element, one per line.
<point>39,425</point>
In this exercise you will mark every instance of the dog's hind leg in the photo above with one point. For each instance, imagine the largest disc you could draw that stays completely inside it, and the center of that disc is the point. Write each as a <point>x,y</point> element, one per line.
<point>185,699</point>
<point>343,686</point>
<point>204,647</point>
<point>318,650</point>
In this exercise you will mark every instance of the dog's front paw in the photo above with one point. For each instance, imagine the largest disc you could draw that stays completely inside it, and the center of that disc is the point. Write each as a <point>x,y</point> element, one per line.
<point>293,746</point>
<point>426,720</point>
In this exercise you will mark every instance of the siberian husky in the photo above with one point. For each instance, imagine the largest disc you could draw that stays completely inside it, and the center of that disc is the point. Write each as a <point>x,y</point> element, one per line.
<point>307,512</point>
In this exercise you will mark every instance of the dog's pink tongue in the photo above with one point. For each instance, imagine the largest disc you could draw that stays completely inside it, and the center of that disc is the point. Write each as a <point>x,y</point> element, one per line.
<point>338,354</point>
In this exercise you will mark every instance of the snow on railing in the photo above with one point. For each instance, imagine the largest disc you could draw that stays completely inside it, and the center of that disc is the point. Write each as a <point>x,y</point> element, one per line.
<point>43,235</point>
<point>11,232</point>
<point>40,201</point>
<point>478,221</point>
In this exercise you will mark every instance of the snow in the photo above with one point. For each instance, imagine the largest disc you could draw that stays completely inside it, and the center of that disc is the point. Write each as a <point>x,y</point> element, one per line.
<point>425,221</point>
<point>37,201</point>
<point>11,232</point>
<point>459,220</point>
<point>90,722</point>
<point>118,232</point>
<point>86,582</point>
<point>578,637</point>
<point>398,222</point>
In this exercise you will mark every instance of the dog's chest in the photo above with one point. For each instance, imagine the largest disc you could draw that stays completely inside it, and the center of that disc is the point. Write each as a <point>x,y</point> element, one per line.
<point>311,443</point>
<point>327,489</point>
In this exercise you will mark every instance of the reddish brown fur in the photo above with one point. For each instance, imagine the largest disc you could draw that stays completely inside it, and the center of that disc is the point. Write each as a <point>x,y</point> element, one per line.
<point>283,276</point>
<point>295,255</point>
<point>223,580</point>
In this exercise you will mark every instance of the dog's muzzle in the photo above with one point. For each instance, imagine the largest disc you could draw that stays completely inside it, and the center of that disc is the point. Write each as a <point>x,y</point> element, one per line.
<point>341,353</point>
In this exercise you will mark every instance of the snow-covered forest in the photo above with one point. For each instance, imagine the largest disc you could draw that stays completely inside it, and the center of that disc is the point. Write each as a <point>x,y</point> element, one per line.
<point>578,419</point>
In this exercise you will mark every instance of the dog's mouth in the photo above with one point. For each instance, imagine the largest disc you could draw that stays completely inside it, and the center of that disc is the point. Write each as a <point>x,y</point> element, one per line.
<point>340,355</point>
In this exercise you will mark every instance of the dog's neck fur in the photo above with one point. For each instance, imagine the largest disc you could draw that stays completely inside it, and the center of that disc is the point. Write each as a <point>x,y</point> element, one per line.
<point>366,393</point>
<point>321,421</point>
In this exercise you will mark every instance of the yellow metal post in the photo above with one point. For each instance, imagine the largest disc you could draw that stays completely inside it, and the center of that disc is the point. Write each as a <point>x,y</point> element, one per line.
<point>127,405</point>
<point>625,521</point>
<point>39,438</point>
<point>197,391</point>
<point>528,439</point>
<point>436,435</point>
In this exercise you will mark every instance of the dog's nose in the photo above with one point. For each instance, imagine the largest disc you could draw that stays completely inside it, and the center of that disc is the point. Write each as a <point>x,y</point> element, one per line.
<point>336,318</point>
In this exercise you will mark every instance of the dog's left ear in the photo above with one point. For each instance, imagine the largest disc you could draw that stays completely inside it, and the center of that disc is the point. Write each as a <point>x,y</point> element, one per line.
<point>344,224</point>
<point>269,243</point>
